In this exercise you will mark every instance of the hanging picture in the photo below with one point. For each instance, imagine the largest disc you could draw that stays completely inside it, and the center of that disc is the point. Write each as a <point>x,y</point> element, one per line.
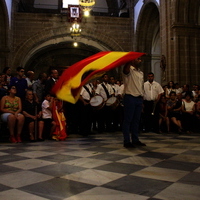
<point>74,11</point>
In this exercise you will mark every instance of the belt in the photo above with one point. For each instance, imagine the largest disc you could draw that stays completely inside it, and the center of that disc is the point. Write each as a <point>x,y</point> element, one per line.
<point>149,100</point>
<point>140,96</point>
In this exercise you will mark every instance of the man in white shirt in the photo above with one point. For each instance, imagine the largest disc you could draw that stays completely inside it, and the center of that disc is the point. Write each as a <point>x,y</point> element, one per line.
<point>86,110</point>
<point>104,89</point>
<point>104,114</point>
<point>114,86</point>
<point>152,93</point>
<point>133,79</point>
<point>116,111</point>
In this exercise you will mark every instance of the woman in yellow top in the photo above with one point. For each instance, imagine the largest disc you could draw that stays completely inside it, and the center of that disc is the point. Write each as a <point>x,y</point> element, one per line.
<point>11,107</point>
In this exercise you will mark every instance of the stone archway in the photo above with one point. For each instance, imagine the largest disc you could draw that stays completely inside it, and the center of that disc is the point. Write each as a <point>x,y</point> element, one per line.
<point>58,53</point>
<point>3,35</point>
<point>44,49</point>
<point>148,38</point>
<point>48,39</point>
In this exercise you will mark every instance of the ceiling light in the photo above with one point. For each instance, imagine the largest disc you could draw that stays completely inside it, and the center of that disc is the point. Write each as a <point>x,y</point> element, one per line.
<point>86,5</point>
<point>75,29</point>
<point>75,44</point>
<point>87,13</point>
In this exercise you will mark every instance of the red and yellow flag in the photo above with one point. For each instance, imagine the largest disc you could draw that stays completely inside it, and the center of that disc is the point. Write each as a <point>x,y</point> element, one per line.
<point>69,84</point>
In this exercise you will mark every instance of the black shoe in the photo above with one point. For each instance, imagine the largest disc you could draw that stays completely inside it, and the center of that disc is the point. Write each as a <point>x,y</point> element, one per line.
<point>129,145</point>
<point>40,140</point>
<point>138,143</point>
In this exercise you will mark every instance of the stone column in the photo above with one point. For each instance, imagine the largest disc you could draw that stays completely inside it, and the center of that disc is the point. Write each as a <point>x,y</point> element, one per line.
<point>180,40</point>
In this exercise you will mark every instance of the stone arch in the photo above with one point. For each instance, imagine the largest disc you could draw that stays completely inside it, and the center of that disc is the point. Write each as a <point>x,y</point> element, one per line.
<point>4,24</point>
<point>59,37</point>
<point>148,35</point>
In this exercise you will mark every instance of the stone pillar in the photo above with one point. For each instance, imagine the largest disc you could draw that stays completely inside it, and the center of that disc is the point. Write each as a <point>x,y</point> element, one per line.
<point>180,40</point>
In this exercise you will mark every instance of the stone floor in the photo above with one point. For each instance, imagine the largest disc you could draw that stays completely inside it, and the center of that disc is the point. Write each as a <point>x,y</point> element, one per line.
<point>100,168</point>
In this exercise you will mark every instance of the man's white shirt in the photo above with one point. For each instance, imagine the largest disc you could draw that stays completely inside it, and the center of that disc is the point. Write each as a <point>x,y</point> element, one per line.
<point>152,90</point>
<point>100,90</point>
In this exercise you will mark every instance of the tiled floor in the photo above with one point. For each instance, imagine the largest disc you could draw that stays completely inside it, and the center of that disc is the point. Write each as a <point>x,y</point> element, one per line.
<point>100,168</point>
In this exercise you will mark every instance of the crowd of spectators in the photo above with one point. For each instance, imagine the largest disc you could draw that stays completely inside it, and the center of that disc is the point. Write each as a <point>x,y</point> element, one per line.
<point>179,108</point>
<point>28,102</point>
<point>28,106</point>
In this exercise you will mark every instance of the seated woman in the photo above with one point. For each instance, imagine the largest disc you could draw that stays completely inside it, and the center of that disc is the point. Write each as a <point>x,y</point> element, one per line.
<point>174,109</point>
<point>11,107</point>
<point>188,112</point>
<point>162,108</point>
<point>32,113</point>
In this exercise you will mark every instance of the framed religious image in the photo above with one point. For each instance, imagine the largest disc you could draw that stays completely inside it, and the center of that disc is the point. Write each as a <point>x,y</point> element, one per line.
<point>74,11</point>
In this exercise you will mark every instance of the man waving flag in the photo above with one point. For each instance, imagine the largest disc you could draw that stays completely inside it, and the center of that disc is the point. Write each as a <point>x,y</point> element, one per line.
<point>73,78</point>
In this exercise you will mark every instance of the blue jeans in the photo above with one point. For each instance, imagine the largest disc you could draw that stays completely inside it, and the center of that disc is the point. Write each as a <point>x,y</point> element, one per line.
<point>132,114</point>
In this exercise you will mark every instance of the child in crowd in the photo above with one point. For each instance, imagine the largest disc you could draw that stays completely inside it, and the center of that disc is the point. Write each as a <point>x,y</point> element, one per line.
<point>60,120</point>
<point>49,124</point>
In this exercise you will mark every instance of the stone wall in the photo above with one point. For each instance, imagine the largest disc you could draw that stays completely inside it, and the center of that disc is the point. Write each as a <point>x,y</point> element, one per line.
<point>179,34</point>
<point>32,29</point>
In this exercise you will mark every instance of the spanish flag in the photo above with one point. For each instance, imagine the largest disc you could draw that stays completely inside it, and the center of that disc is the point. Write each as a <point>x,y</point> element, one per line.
<point>73,78</point>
